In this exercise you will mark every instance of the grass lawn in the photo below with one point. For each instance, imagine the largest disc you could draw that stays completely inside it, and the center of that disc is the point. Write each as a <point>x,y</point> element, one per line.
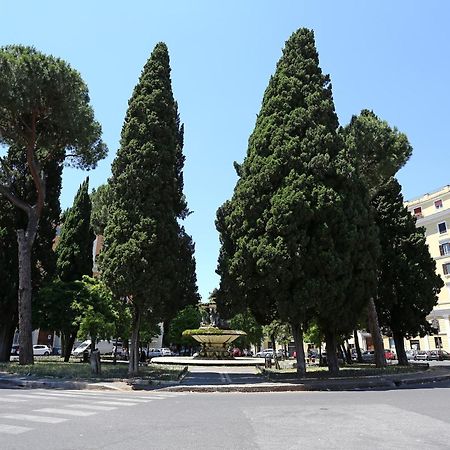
<point>53,366</point>
<point>354,370</point>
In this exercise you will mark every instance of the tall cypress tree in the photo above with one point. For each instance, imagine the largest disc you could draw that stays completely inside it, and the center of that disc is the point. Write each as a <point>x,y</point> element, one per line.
<point>298,222</point>
<point>74,250</point>
<point>408,284</point>
<point>142,234</point>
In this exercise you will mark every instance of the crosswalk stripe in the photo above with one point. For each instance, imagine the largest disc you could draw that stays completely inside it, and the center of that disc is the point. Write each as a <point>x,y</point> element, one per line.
<point>116,403</point>
<point>42,419</point>
<point>126,399</point>
<point>69,412</point>
<point>11,400</point>
<point>52,395</point>
<point>78,397</point>
<point>94,407</point>
<point>32,396</point>
<point>13,429</point>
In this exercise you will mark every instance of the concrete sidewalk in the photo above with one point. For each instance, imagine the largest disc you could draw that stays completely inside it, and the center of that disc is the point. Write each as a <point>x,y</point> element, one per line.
<point>217,380</point>
<point>260,384</point>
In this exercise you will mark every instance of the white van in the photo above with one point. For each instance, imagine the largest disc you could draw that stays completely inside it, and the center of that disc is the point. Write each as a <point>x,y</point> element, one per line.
<point>105,347</point>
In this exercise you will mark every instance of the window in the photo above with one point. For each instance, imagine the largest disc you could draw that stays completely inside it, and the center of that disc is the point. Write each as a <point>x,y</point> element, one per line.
<point>444,249</point>
<point>438,342</point>
<point>446,268</point>
<point>438,204</point>
<point>442,227</point>
<point>435,325</point>
<point>418,211</point>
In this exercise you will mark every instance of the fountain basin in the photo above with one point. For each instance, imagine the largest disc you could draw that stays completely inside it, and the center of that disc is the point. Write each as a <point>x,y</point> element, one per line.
<point>214,341</point>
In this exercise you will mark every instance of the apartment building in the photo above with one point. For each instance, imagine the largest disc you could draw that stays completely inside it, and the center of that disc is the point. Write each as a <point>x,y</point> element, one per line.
<point>432,212</point>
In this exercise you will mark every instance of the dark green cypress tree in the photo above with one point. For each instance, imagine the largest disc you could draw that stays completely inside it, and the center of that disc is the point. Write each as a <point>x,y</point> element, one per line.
<point>408,284</point>
<point>141,248</point>
<point>74,249</point>
<point>298,223</point>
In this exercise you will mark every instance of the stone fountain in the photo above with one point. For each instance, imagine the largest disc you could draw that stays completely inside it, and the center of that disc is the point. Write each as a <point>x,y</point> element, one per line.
<point>213,335</point>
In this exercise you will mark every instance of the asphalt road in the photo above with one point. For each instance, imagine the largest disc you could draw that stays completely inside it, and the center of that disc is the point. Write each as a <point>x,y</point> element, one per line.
<point>397,419</point>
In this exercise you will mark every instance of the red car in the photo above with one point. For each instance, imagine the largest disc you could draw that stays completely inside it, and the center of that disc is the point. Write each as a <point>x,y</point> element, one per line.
<point>389,355</point>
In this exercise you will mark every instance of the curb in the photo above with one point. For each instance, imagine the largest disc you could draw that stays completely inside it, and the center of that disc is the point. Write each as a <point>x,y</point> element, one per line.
<point>52,384</point>
<point>349,384</point>
<point>342,385</point>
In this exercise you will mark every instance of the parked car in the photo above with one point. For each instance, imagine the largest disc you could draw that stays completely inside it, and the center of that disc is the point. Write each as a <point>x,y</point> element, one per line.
<point>410,354</point>
<point>390,355</point>
<point>15,350</point>
<point>236,352</point>
<point>166,352</point>
<point>368,356</point>
<point>41,350</point>
<point>437,355</point>
<point>153,352</point>
<point>421,355</point>
<point>264,353</point>
<point>104,347</point>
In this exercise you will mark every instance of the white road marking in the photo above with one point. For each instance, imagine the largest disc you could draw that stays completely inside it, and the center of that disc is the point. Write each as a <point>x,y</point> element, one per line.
<point>69,412</point>
<point>94,407</point>
<point>34,396</point>
<point>116,403</point>
<point>42,419</point>
<point>13,429</point>
<point>63,396</point>
<point>53,395</point>
<point>11,400</point>
<point>126,399</point>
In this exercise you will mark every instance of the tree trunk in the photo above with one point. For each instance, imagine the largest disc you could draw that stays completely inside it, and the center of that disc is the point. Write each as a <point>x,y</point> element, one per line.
<point>374,327</point>
<point>400,349</point>
<point>133,365</point>
<point>165,340</point>
<point>24,294</point>
<point>347,354</point>
<point>8,323</point>
<point>70,340</point>
<point>297,333</point>
<point>95,362</point>
<point>93,342</point>
<point>332,361</point>
<point>357,347</point>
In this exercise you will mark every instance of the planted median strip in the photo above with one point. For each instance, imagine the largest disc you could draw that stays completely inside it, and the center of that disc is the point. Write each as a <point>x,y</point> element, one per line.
<point>82,372</point>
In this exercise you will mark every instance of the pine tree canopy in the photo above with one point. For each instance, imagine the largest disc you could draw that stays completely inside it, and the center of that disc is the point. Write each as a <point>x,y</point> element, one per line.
<point>377,150</point>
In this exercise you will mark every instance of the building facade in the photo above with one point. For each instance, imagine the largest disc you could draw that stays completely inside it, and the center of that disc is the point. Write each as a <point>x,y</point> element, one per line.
<point>432,212</point>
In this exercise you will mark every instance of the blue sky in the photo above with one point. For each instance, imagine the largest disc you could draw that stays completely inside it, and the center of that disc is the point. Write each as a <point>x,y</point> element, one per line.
<point>391,57</point>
